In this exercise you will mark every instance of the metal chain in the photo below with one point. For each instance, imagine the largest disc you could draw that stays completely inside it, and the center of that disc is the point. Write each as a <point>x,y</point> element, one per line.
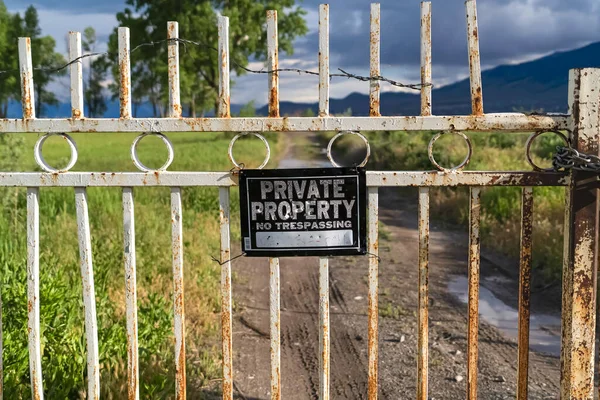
<point>567,158</point>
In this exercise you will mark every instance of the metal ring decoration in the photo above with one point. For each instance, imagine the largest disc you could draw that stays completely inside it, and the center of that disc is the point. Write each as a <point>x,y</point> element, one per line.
<point>139,164</point>
<point>530,143</point>
<point>360,135</point>
<point>459,167</point>
<point>258,135</point>
<point>39,158</point>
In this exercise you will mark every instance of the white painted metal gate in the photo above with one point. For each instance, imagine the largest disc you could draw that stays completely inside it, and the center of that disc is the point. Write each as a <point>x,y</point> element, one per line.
<point>580,258</point>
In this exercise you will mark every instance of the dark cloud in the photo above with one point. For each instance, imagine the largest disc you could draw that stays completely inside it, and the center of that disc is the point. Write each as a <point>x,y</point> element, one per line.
<point>70,6</point>
<point>509,30</point>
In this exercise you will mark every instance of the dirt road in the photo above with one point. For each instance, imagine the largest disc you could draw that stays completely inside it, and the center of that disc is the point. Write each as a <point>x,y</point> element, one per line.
<point>397,323</point>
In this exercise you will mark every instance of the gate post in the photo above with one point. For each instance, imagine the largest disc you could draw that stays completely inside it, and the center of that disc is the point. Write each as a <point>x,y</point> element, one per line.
<point>581,234</point>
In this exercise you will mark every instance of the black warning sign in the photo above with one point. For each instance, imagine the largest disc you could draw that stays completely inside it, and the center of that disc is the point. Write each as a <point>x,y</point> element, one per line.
<point>303,212</point>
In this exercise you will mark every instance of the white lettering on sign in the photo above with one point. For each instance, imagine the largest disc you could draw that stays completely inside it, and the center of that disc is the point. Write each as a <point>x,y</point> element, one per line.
<point>293,209</point>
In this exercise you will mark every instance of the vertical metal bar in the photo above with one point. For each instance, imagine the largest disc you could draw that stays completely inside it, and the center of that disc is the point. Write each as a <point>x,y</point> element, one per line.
<point>77,110</point>
<point>426,88</point>
<point>423,353</point>
<point>125,73</point>
<point>273,63</point>
<point>474,58</point>
<point>324,339</point>
<point>224,109</point>
<point>33,292</point>
<point>474,259</point>
<point>274,284</point>
<point>178,292</point>
<point>26,68</point>
<point>373,334</point>
<point>275,303</point>
<point>226,312</point>
<point>323,60</point>
<point>89,296</point>
<point>579,288</point>
<point>567,288</point>
<point>524,292</point>
<point>375,87</point>
<point>133,390</point>
<point>174,92</point>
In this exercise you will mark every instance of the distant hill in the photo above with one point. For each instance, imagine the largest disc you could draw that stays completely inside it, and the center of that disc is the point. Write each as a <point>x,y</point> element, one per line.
<point>534,85</point>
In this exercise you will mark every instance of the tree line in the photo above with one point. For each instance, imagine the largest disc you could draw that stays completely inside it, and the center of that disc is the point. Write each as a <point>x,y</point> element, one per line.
<point>147,20</point>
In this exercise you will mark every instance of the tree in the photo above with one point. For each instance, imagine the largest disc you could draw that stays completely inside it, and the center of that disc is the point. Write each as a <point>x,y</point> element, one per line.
<point>199,68</point>
<point>95,99</point>
<point>44,58</point>
<point>9,60</point>
<point>248,110</point>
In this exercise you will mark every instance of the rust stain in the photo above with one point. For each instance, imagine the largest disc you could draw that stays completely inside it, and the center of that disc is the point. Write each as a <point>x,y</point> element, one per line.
<point>36,388</point>
<point>124,94</point>
<point>76,113</point>
<point>524,293</point>
<point>27,100</point>
<point>180,371</point>
<point>274,102</point>
<point>473,304</point>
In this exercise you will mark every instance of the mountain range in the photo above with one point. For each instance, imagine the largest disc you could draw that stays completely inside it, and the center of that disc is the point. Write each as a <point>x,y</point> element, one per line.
<point>537,85</point>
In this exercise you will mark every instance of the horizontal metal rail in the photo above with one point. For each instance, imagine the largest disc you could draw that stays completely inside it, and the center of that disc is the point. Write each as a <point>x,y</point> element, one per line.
<point>226,179</point>
<point>490,122</point>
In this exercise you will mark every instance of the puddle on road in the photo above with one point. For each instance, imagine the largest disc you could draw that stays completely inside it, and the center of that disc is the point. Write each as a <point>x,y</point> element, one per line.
<point>544,332</point>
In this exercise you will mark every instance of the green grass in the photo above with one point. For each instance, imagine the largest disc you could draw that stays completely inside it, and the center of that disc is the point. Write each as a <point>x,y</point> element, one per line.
<point>500,205</point>
<point>62,320</point>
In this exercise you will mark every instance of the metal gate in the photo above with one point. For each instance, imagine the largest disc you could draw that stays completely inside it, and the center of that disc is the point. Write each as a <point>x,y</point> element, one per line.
<point>580,257</point>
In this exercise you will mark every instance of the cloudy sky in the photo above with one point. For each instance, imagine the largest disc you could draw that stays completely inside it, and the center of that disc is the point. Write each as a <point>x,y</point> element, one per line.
<point>511,31</point>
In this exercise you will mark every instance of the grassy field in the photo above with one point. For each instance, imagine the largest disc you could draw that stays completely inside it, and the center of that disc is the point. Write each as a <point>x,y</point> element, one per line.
<point>63,344</point>
<point>500,206</point>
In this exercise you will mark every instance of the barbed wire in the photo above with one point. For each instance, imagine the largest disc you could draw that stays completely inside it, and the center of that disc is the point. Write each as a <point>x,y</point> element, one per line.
<point>185,42</point>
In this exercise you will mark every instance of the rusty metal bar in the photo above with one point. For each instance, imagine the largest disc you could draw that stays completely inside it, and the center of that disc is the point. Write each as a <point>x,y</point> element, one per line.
<point>324,337</point>
<point>323,60</point>
<point>375,86</point>
<point>581,239</point>
<point>226,179</point>
<point>178,292</point>
<point>224,109</point>
<point>506,122</point>
<point>474,58</point>
<point>174,92</point>
<point>373,331</point>
<point>133,387</point>
<point>426,89</point>
<point>524,292</point>
<point>324,331</point>
<point>273,63</point>
<point>473,277</point>
<point>125,73</point>
<point>274,283</point>
<point>33,292</point>
<point>567,288</point>
<point>423,351</point>
<point>275,317</point>
<point>26,68</point>
<point>77,108</point>
<point>226,311</point>
<point>89,293</point>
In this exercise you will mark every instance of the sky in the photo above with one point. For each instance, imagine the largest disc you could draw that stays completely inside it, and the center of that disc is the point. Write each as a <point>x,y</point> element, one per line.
<point>510,31</point>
